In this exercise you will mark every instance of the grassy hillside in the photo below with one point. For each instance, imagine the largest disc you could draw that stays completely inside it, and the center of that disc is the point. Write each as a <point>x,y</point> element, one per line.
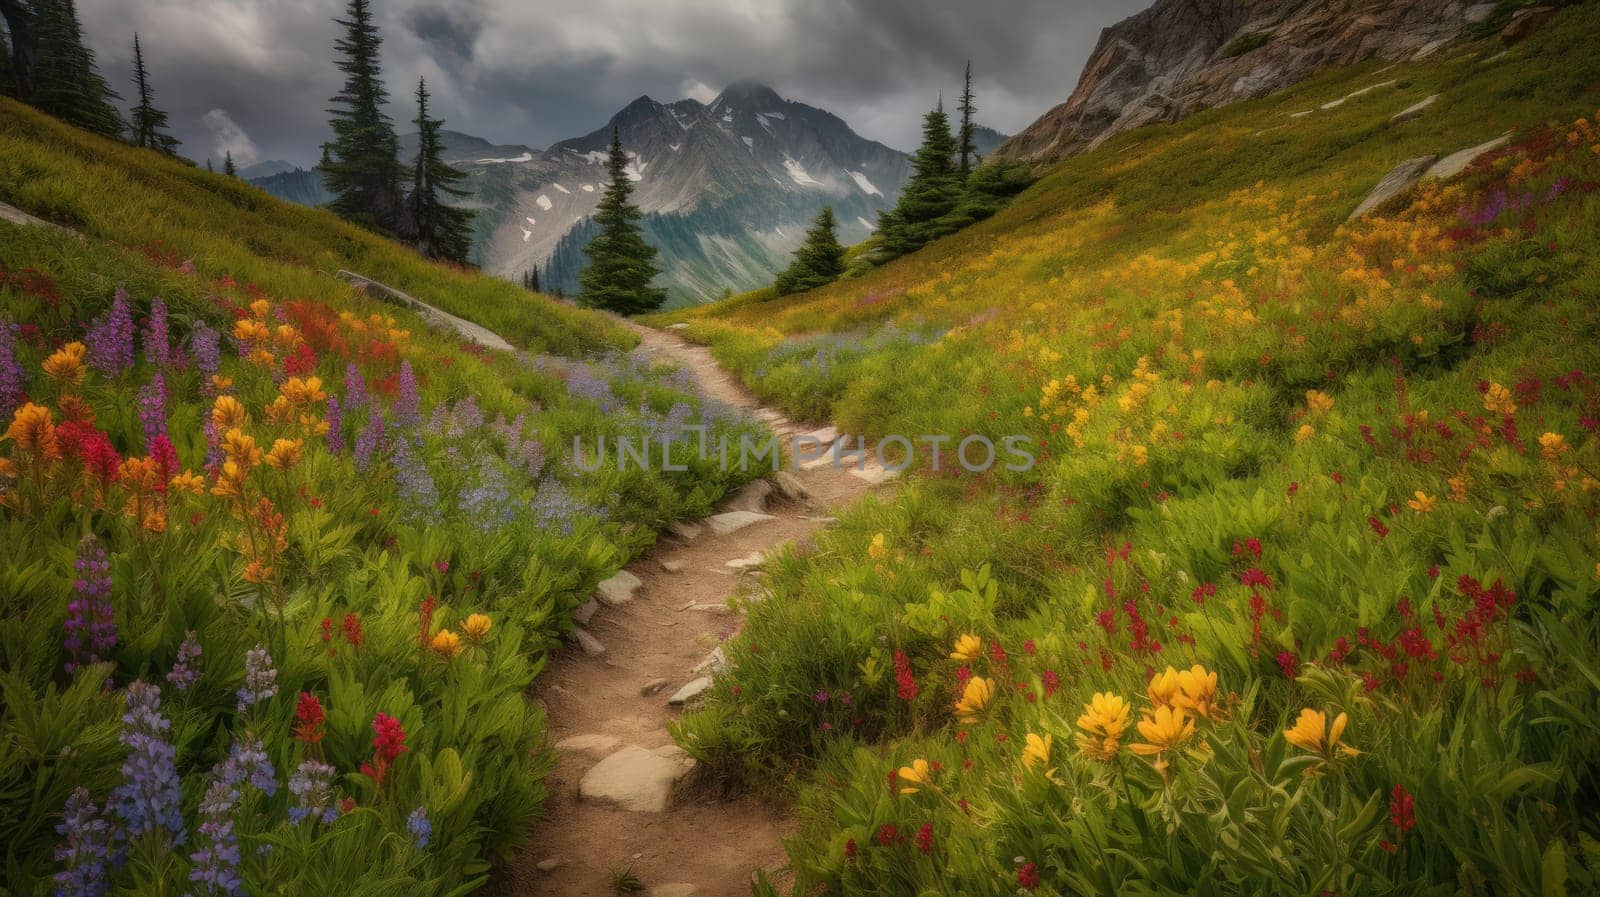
<point>338,543</point>
<point>1351,471</point>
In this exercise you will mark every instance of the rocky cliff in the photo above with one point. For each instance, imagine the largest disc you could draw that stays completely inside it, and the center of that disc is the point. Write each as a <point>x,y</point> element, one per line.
<point>1181,56</point>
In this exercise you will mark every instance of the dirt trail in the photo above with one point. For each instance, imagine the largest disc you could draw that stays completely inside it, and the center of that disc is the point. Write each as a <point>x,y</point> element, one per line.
<point>699,846</point>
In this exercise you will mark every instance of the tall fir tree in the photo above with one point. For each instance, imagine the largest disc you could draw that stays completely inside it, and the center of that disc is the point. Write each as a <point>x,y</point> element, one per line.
<point>530,279</point>
<point>364,171</point>
<point>66,81</point>
<point>227,164</point>
<point>621,264</point>
<point>966,138</point>
<point>437,230</point>
<point>930,194</point>
<point>819,260</point>
<point>17,65</point>
<point>149,123</point>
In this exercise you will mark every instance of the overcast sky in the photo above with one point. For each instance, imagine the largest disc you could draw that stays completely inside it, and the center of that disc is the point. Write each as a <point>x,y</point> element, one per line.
<point>254,76</point>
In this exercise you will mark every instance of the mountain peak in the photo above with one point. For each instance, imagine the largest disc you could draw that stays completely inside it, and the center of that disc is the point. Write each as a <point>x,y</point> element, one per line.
<point>749,94</point>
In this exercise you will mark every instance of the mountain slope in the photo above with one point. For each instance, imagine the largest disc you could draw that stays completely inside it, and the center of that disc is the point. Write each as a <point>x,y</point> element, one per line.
<point>1180,56</point>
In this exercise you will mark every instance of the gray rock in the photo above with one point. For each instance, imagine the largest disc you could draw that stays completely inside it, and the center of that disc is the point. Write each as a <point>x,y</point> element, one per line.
<point>619,589</point>
<point>875,474</point>
<point>1478,12</point>
<point>588,744</point>
<point>586,612</point>
<point>714,662</point>
<point>635,778</point>
<point>1525,22</point>
<point>790,487</point>
<point>733,521</point>
<point>685,530</point>
<point>1457,162</point>
<point>590,645</point>
<point>674,566</point>
<point>1398,180</point>
<point>1429,48</point>
<point>748,562</point>
<point>1413,111</point>
<point>653,686</point>
<point>436,318</point>
<point>710,608</point>
<point>752,496</point>
<point>548,865</point>
<point>691,690</point>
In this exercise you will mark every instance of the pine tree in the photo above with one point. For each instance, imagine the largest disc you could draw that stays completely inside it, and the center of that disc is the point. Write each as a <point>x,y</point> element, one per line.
<point>932,192</point>
<point>437,230</point>
<point>148,121</point>
<point>67,84</point>
<point>819,260</point>
<point>17,65</point>
<point>208,165</point>
<point>621,264</point>
<point>227,164</point>
<point>966,145</point>
<point>530,279</point>
<point>364,172</point>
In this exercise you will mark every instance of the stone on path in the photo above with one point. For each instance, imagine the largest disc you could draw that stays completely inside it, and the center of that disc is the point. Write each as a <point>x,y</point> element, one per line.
<point>874,474</point>
<point>825,435</point>
<point>635,778</point>
<point>589,744</point>
<point>653,686</point>
<point>714,662</point>
<point>691,690</point>
<point>1411,112</point>
<point>685,530</point>
<point>1457,162</point>
<point>733,521</point>
<point>676,889</point>
<point>748,562</point>
<point>590,645</point>
<point>1399,179</point>
<point>619,589</point>
<point>674,566</point>
<point>586,612</point>
<point>550,864</point>
<point>790,487</point>
<point>752,496</point>
<point>678,326</point>
<point>710,608</point>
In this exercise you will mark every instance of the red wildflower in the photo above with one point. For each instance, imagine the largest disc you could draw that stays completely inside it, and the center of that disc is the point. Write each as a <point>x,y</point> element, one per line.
<point>1401,809</point>
<point>1289,663</point>
<point>352,631</point>
<point>850,849</point>
<point>903,678</point>
<point>888,834</point>
<point>427,621</point>
<point>925,838</point>
<point>309,718</point>
<point>1051,682</point>
<point>388,744</point>
<point>1377,526</point>
<point>1255,577</point>
<point>1028,876</point>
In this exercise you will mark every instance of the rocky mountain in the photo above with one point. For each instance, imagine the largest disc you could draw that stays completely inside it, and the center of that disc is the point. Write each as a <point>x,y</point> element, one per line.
<point>265,169</point>
<point>295,185</point>
<point>1181,56</point>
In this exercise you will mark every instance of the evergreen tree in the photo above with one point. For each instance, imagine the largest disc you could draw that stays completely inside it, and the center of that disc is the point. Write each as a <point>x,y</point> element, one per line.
<point>932,192</point>
<point>966,144</point>
<point>530,279</point>
<point>819,260</point>
<point>364,172</point>
<point>16,66</point>
<point>437,230</point>
<point>208,165</point>
<point>66,82</point>
<point>227,164</point>
<point>148,121</point>
<point>621,264</point>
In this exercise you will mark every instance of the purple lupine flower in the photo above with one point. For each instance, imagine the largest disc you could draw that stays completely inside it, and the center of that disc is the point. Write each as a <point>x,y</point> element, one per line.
<point>157,348</point>
<point>555,508</point>
<point>85,850</point>
<point>408,404</point>
<point>411,475</point>
<point>213,460</point>
<point>370,440</point>
<point>216,864</point>
<point>335,418</point>
<point>150,796</point>
<point>260,678</point>
<point>13,379</point>
<point>110,338</point>
<point>439,421</point>
<point>153,409</point>
<point>466,416</point>
<point>248,762</point>
<point>421,829</point>
<point>312,787</point>
<point>487,502</point>
<point>355,387</point>
<point>1557,187</point>
<point>184,673</point>
<point>206,345</point>
<point>91,621</point>
<point>583,384</point>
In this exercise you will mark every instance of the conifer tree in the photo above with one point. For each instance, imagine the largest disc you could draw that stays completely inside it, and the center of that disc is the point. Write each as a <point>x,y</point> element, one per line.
<point>437,230</point>
<point>621,264</point>
<point>364,172</point>
<point>16,66</point>
<point>208,165</point>
<point>819,260</point>
<point>530,279</point>
<point>149,123</point>
<point>227,164</point>
<point>930,194</point>
<point>66,81</point>
<point>966,144</point>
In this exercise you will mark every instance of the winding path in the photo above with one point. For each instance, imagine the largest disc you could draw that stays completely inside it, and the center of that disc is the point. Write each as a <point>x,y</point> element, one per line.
<point>608,712</point>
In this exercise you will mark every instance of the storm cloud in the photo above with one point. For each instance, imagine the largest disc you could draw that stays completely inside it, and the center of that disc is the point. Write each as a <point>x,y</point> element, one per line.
<point>535,72</point>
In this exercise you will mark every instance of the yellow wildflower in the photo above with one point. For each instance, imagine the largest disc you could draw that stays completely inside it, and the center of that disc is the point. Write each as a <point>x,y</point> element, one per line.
<point>477,626</point>
<point>1305,433</point>
<point>1163,687</point>
<point>280,411</point>
<point>240,446</point>
<point>228,413</point>
<point>967,648</point>
<point>262,358</point>
<point>187,482</point>
<point>65,365</point>
<point>974,699</point>
<point>230,480</point>
<point>918,773</point>
<point>34,429</point>
<point>221,383</point>
<point>877,550</point>
<point>1497,399</point>
<point>140,475</point>
<point>285,453</point>
<point>1164,729</point>
<point>247,331</point>
<point>1458,488</point>
<point>1552,446</point>
<point>446,643</point>
<point>259,308</point>
<point>1036,752</point>
<point>303,392</point>
<point>1423,503</point>
<point>1197,693</point>
<point>1312,733</point>
<point>1318,402</point>
<point>1104,720</point>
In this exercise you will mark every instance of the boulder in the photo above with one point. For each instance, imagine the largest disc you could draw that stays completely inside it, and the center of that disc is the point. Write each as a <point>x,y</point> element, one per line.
<point>588,744</point>
<point>715,662</point>
<point>590,645</point>
<point>1412,111</point>
<point>1525,22</point>
<point>752,496</point>
<point>635,778</point>
<point>790,487</point>
<point>1399,179</point>
<point>748,562</point>
<point>691,690</point>
<point>1457,162</point>
<point>685,530</point>
<point>619,589</point>
<point>653,686</point>
<point>733,521</point>
<point>586,612</point>
<point>674,566</point>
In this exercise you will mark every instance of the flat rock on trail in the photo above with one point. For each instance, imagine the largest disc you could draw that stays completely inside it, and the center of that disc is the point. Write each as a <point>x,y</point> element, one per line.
<point>608,712</point>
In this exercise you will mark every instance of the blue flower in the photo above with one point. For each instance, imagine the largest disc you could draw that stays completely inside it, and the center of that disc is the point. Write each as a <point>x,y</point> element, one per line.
<point>149,796</point>
<point>260,678</point>
<point>421,829</point>
<point>85,851</point>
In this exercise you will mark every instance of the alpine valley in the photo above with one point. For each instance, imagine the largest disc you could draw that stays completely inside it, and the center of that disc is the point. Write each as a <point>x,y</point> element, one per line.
<point>727,189</point>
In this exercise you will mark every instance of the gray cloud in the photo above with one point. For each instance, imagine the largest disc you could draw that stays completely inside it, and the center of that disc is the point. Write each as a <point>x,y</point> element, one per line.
<point>228,139</point>
<point>536,72</point>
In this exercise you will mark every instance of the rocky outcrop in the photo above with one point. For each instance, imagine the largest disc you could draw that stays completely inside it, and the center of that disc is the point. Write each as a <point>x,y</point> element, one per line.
<point>1181,56</point>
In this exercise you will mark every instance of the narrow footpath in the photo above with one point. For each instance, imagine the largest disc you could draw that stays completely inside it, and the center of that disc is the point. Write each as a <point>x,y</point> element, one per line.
<point>623,798</point>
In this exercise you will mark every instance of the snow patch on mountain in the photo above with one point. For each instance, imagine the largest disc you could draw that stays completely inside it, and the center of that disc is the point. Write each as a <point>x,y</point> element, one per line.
<point>799,175</point>
<point>749,142</point>
<point>587,188</point>
<point>866,186</point>
<point>544,203</point>
<point>525,157</point>
<point>870,225</point>
<point>561,188</point>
